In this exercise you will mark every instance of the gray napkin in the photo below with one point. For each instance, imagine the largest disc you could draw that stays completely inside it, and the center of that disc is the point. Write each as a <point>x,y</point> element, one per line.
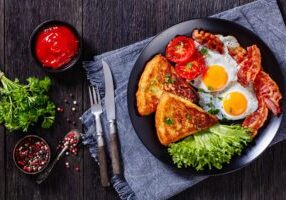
<point>147,177</point>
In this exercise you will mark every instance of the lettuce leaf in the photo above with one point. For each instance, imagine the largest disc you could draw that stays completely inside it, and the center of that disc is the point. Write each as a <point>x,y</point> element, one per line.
<point>211,148</point>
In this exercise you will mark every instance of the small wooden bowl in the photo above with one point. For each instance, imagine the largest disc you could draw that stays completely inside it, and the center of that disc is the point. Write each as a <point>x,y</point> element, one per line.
<point>22,140</point>
<point>48,24</point>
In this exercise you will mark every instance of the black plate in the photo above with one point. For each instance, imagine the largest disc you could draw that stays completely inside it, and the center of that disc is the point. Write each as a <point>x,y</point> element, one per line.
<point>145,126</point>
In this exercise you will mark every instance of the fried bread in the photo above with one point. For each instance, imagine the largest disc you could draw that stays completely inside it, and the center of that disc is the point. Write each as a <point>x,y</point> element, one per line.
<point>157,77</point>
<point>177,117</point>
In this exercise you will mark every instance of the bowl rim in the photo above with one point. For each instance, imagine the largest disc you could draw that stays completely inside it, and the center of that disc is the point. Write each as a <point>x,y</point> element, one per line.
<point>49,23</point>
<point>21,140</point>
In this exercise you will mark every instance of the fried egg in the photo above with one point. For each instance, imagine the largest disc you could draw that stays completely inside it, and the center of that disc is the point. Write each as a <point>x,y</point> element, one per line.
<point>219,92</point>
<point>236,102</point>
<point>221,71</point>
<point>221,68</point>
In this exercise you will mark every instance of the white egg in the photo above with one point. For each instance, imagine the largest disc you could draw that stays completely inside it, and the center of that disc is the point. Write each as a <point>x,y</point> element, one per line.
<point>221,71</point>
<point>228,41</point>
<point>234,103</point>
<point>237,102</point>
<point>210,103</point>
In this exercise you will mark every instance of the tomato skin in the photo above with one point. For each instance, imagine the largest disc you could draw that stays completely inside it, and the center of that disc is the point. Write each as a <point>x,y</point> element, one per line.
<point>192,68</point>
<point>180,49</point>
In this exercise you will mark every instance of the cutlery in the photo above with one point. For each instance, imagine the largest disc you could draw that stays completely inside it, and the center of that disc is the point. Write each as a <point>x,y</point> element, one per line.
<point>110,113</point>
<point>96,110</point>
<point>44,175</point>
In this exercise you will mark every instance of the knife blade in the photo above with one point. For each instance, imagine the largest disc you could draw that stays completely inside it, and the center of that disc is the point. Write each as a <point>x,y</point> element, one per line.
<point>110,114</point>
<point>109,92</point>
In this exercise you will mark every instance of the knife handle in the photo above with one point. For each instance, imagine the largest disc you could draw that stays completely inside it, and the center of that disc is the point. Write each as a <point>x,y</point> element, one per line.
<point>102,164</point>
<point>116,167</point>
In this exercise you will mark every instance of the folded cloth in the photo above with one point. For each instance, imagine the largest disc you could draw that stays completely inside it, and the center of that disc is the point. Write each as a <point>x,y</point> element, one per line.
<point>147,177</point>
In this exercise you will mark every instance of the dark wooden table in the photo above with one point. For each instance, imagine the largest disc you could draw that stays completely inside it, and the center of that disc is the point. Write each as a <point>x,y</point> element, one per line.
<point>107,25</point>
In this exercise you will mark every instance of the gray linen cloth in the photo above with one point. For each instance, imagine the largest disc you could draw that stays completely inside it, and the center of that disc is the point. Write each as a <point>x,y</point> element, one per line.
<point>147,177</point>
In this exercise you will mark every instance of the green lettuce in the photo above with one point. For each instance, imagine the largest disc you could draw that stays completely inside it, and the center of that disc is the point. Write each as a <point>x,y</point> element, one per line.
<point>211,148</point>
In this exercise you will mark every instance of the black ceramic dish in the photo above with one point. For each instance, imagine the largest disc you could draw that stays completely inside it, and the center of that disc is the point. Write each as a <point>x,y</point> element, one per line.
<point>21,141</point>
<point>145,126</point>
<point>47,24</point>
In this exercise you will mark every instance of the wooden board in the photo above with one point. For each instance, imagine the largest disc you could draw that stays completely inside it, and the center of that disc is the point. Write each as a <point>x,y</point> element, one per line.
<point>2,130</point>
<point>21,17</point>
<point>107,25</point>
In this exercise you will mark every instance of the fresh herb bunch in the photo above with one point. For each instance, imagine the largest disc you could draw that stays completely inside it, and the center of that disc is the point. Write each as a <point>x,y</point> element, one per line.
<point>24,105</point>
<point>210,148</point>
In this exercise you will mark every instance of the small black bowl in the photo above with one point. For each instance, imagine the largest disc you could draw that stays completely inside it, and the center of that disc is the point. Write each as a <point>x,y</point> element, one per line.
<point>35,137</point>
<point>48,24</point>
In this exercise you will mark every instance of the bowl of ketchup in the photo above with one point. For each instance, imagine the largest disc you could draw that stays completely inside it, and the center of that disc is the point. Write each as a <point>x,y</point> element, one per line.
<point>55,45</point>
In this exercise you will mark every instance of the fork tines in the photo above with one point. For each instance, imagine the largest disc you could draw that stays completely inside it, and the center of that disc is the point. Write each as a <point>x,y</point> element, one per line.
<point>94,96</point>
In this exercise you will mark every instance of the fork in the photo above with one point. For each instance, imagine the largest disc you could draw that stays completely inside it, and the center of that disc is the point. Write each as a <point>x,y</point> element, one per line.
<point>96,110</point>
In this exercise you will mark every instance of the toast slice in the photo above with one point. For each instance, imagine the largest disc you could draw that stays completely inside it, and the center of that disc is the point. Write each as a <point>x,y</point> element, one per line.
<point>177,117</point>
<point>157,77</point>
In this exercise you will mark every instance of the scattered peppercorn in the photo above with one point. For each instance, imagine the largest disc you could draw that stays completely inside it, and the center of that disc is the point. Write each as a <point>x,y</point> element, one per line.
<point>59,109</point>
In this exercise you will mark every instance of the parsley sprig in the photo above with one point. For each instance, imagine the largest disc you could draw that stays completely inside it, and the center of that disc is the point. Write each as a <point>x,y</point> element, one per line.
<point>204,51</point>
<point>24,105</point>
<point>168,121</point>
<point>169,79</point>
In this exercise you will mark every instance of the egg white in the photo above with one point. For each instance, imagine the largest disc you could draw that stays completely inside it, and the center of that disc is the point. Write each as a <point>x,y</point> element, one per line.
<point>228,41</point>
<point>252,103</point>
<point>223,60</point>
<point>214,101</point>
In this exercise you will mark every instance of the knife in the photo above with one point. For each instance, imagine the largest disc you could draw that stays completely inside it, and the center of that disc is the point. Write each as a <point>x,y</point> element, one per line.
<point>110,112</point>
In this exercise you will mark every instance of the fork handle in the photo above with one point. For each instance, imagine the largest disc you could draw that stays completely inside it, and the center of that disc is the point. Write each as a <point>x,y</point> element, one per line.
<point>98,125</point>
<point>103,166</point>
<point>101,154</point>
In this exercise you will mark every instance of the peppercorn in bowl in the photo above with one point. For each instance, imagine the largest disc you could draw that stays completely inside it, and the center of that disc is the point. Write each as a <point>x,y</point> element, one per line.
<point>31,154</point>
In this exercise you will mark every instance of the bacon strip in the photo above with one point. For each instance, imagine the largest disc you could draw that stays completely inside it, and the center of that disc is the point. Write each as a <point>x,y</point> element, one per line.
<point>269,91</point>
<point>208,39</point>
<point>256,120</point>
<point>239,54</point>
<point>250,66</point>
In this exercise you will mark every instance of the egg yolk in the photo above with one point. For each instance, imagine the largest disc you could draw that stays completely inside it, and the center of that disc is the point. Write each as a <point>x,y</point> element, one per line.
<point>215,78</point>
<point>235,103</point>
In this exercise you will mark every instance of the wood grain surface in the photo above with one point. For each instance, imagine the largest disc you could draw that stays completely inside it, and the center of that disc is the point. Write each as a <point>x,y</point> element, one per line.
<point>2,134</point>
<point>104,26</point>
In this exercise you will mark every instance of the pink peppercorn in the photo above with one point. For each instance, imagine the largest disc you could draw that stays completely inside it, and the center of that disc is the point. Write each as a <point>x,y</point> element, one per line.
<point>31,154</point>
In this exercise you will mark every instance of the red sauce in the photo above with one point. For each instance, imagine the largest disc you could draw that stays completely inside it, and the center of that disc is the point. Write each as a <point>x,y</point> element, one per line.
<point>56,46</point>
